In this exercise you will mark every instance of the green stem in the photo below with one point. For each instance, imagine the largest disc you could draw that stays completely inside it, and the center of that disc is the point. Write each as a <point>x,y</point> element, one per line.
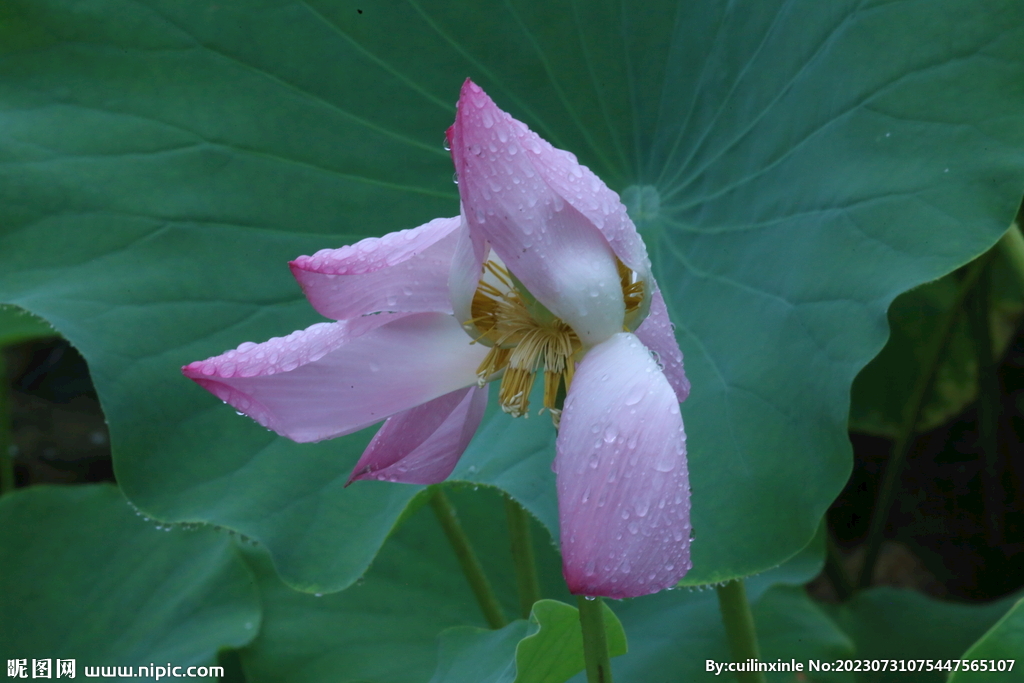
<point>522,556</point>
<point>739,628</point>
<point>836,572</point>
<point>989,398</point>
<point>7,482</point>
<point>595,641</point>
<point>894,468</point>
<point>471,566</point>
<point>1012,246</point>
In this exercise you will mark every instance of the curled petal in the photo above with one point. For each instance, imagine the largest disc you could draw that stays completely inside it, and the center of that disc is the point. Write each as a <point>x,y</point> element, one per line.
<point>337,378</point>
<point>405,271</point>
<point>623,487</point>
<point>467,262</point>
<point>423,445</point>
<point>585,192</point>
<point>557,251</point>
<point>658,336</point>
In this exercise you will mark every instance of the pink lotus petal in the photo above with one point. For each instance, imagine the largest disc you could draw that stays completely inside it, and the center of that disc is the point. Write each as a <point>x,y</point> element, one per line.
<point>555,250</point>
<point>623,488</point>
<point>467,262</point>
<point>658,336</point>
<point>423,445</point>
<point>337,378</point>
<point>404,271</point>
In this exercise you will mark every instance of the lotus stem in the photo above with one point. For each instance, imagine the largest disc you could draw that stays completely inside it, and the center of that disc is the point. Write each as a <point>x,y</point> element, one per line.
<point>522,556</point>
<point>7,482</point>
<point>1012,246</point>
<point>595,640</point>
<point>836,572</point>
<point>468,560</point>
<point>894,468</point>
<point>989,397</point>
<point>739,628</point>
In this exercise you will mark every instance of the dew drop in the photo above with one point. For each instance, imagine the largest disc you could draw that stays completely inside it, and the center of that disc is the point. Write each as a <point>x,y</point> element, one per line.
<point>665,462</point>
<point>635,395</point>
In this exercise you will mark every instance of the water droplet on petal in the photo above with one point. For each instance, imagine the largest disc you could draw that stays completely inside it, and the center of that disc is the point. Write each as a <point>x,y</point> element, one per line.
<point>610,433</point>
<point>635,395</point>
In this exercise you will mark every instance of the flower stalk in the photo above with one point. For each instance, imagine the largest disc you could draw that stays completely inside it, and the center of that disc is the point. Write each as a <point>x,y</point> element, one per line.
<point>471,567</point>
<point>1012,246</point>
<point>522,556</point>
<point>6,462</point>
<point>739,627</point>
<point>894,468</point>
<point>595,640</point>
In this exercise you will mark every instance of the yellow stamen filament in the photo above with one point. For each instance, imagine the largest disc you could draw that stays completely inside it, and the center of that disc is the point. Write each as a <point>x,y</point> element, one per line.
<point>632,291</point>
<point>521,344</point>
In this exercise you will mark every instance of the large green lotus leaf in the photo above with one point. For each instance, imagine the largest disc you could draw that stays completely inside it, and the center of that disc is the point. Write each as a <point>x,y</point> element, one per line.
<point>385,628</point>
<point>793,165</point>
<point>85,578</point>
<point>546,649</point>
<point>883,388</point>
<point>1002,644</point>
<point>893,624</point>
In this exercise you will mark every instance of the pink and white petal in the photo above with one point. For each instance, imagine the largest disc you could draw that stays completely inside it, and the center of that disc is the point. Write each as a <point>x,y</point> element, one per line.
<point>422,445</point>
<point>557,252</point>
<point>405,271</point>
<point>623,487</point>
<point>337,378</point>
<point>588,194</point>
<point>467,268</point>
<point>657,335</point>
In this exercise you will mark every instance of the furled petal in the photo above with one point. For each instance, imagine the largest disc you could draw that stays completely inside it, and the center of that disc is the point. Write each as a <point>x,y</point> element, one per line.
<point>588,194</point>
<point>423,445</point>
<point>554,249</point>
<point>623,488</point>
<point>467,262</point>
<point>336,378</point>
<point>658,336</point>
<point>405,271</point>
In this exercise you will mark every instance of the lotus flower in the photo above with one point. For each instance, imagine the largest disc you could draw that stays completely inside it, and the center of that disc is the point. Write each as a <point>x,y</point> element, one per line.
<point>542,273</point>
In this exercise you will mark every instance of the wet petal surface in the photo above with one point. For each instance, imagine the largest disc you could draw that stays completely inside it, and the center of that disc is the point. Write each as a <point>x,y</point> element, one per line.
<point>337,378</point>
<point>658,335</point>
<point>623,487</point>
<point>405,271</point>
<point>558,253</point>
<point>423,445</point>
